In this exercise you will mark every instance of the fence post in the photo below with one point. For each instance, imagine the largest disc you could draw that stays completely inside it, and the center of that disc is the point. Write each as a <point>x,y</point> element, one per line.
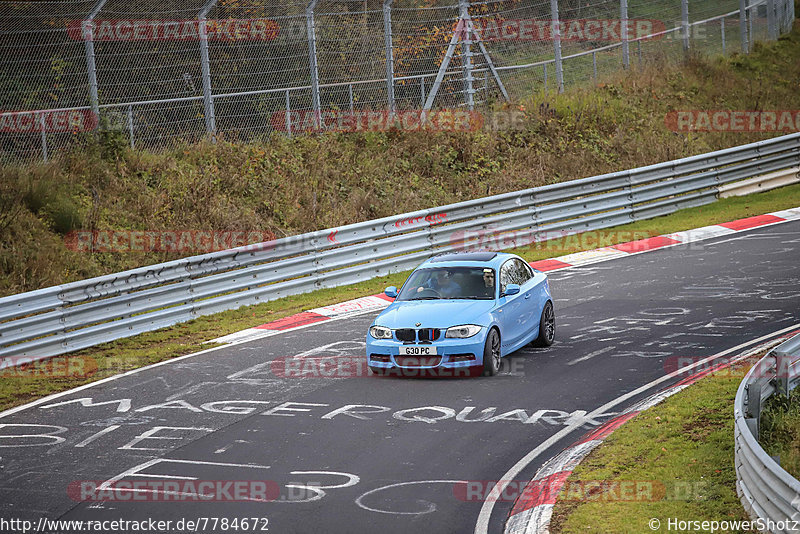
<point>556,33</point>
<point>311,31</point>
<point>44,137</point>
<point>466,53</point>
<point>685,24</point>
<point>623,15</point>
<point>544,67</point>
<point>722,29</point>
<point>743,25</point>
<point>792,15</point>
<point>422,90</point>
<point>205,67</point>
<point>772,26</point>
<point>288,114</point>
<point>387,37</point>
<point>130,125</point>
<point>350,97</point>
<point>87,29</point>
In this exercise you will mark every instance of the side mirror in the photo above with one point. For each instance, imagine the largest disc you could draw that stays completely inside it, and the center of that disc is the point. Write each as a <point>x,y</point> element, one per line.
<point>511,289</point>
<point>391,292</point>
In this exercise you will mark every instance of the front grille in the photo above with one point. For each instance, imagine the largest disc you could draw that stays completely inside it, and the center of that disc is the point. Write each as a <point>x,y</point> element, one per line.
<point>429,334</point>
<point>418,361</point>
<point>406,334</point>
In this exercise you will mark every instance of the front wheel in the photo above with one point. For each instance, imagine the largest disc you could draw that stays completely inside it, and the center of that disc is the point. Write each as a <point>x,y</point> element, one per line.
<point>547,327</point>
<point>491,353</point>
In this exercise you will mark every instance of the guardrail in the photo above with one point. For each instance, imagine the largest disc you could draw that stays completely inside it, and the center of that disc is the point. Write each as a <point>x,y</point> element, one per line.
<point>766,491</point>
<point>73,316</point>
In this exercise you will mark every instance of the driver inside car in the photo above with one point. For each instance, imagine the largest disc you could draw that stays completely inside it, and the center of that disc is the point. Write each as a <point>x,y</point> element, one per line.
<point>443,284</point>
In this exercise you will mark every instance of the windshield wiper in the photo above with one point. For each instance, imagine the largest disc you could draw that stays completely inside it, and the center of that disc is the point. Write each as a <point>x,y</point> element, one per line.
<point>425,298</point>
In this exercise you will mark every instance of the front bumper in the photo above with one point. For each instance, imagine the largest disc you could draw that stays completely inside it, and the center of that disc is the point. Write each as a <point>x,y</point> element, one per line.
<point>449,353</point>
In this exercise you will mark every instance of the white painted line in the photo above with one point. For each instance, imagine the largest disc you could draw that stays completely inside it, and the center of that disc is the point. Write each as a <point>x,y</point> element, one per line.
<point>698,234</point>
<point>791,214</point>
<point>60,394</point>
<point>590,355</point>
<point>591,256</point>
<point>482,524</point>
<point>248,334</point>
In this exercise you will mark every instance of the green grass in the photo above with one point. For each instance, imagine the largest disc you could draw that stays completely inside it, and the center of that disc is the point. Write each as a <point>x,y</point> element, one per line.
<point>122,355</point>
<point>780,430</point>
<point>681,451</point>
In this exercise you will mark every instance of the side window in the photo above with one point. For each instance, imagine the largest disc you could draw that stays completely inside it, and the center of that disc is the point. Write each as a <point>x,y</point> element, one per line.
<point>507,272</point>
<point>523,272</point>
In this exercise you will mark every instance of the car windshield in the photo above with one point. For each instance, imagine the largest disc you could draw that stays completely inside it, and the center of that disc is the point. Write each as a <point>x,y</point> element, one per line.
<point>449,283</point>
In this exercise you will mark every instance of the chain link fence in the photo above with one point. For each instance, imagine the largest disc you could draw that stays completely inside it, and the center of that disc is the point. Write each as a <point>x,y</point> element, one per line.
<point>166,71</point>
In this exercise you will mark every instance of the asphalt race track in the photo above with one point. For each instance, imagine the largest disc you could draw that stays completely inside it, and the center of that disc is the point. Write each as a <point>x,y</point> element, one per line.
<point>369,454</point>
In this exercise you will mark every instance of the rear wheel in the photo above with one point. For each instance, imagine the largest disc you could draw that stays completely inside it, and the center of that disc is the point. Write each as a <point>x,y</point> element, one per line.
<point>547,327</point>
<point>491,353</point>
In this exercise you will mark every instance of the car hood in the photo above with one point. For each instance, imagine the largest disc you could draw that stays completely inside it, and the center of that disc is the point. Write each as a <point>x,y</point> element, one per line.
<point>434,313</point>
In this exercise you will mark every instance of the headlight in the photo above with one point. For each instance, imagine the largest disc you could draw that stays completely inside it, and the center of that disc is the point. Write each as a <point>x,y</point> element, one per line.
<point>380,332</point>
<point>465,330</point>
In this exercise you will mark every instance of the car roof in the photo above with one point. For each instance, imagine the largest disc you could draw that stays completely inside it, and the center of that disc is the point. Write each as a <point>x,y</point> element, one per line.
<point>468,259</point>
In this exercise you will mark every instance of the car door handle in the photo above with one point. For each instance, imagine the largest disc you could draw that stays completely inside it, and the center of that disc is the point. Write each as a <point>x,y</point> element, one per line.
<point>527,296</point>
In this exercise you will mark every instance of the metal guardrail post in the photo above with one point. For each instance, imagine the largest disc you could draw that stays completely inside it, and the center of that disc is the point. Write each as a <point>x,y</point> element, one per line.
<point>623,15</point>
<point>205,67</point>
<point>685,24</point>
<point>387,36</point>
<point>556,34</point>
<point>767,492</point>
<point>466,53</point>
<point>311,31</point>
<point>772,23</point>
<point>743,25</point>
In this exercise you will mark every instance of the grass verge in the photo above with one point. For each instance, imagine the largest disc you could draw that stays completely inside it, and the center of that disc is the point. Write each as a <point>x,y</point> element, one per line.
<point>678,454</point>
<point>17,388</point>
<point>780,430</point>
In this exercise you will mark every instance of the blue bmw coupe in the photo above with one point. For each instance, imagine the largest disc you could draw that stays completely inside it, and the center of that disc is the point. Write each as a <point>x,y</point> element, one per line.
<point>462,311</point>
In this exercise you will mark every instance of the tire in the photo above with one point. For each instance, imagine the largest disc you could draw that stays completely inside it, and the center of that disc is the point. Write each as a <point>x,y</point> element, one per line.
<point>547,327</point>
<point>491,353</point>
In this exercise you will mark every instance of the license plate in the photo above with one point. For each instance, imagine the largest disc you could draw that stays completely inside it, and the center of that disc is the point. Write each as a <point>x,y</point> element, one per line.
<point>418,350</point>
